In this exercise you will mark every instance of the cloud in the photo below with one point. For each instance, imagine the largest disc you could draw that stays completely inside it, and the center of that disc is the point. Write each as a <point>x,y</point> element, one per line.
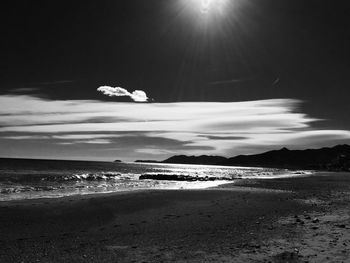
<point>230,138</point>
<point>27,137</point>
<point>137,95</point>
<point>24,90</point>
<point>186,127</point>
<point>96,141</point>
<point>154,151</point>
<point>230,81</point>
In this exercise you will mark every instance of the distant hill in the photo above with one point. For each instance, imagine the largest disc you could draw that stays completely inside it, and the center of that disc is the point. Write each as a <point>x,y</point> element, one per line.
<point>336,158</point>
<point>203,159</point>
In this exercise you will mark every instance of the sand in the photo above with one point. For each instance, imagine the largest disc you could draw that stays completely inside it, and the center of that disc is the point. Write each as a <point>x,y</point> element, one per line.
<point>305,219</point>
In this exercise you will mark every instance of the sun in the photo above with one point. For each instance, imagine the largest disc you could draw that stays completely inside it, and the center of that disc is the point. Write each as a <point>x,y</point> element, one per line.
<point>206,13</point>
<point>206,6</point>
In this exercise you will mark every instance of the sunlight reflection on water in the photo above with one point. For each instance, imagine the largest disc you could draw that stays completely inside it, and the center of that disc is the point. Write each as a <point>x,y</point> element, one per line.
<point>65,178</point>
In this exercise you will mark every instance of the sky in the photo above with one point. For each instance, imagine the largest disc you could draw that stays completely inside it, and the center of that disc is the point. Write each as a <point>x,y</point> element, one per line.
<point>122,79</point>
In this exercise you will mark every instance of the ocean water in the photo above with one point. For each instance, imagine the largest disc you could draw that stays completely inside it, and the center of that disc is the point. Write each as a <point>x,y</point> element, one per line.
<point>31,179</point>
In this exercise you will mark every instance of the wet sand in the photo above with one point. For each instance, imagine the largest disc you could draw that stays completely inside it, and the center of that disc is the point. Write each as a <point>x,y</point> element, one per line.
<point>304,219</point>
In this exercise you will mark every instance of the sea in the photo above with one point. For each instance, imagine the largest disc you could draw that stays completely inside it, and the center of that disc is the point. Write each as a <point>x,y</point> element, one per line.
<point>33,179</point>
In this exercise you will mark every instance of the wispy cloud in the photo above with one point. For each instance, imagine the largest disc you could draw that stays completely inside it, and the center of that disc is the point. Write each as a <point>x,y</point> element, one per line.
<point>159,128</point>
<point>26,137</point>
<point>94,141</point>
<point>24,90</point>
<point>137,95</point>
<point>154,151</point>
<point>55,82</point>
<point>230,81</point>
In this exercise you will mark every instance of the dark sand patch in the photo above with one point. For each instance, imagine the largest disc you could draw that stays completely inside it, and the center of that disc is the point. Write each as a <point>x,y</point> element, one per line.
<point>250,221</point>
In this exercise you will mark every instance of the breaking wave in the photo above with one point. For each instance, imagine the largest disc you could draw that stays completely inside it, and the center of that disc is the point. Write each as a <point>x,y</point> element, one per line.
<point>103,176</point>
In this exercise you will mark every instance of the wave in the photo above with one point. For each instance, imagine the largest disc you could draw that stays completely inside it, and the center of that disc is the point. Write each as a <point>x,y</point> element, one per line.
<point>34,178</point>
<point>22,189</point>
<point>88,177</point>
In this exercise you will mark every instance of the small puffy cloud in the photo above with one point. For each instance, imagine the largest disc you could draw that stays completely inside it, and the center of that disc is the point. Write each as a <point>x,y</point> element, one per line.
<point>137,95</point>
<point>110,91</point>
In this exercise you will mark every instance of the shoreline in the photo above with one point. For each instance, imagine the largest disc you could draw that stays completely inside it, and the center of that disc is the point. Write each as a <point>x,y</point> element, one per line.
<point>200,185</point>
<point>216,184</point>
<point>249,221</point>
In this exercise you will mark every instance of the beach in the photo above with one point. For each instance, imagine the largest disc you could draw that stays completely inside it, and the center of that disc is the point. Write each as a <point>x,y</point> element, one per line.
<point>175,131</point>
<point>296,219</point>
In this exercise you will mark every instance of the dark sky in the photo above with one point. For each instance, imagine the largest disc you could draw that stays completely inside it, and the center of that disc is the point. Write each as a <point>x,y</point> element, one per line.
<point>256,50</point>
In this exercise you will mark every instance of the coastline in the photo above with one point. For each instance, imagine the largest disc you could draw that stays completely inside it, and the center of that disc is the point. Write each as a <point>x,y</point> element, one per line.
<point>251,220</point>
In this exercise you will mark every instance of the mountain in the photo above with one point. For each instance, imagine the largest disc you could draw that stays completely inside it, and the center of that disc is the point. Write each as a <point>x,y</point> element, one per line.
<point>203,159</point>
<point>336,158</point>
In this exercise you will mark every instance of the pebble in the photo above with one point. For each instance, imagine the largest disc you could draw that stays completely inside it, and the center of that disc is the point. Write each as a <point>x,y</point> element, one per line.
<point>315,220</point>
